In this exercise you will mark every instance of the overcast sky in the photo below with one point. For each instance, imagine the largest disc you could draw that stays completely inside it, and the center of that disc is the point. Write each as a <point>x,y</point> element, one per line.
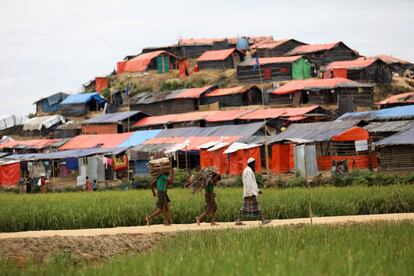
<point>48,46</point>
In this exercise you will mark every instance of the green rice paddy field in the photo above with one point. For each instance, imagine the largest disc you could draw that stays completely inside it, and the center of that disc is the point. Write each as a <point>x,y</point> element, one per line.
<point>117,208</point>
<point>358,249</point>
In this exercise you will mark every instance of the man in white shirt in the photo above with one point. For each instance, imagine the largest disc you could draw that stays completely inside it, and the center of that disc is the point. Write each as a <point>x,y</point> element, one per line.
<point>251,206</point>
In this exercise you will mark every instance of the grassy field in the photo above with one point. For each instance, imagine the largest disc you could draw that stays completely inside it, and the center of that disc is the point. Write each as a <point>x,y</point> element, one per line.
<point>370,249</point>
<point>116,208</point>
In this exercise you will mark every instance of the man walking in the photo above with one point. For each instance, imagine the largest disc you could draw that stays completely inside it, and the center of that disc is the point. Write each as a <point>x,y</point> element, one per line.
<point>251,206</point>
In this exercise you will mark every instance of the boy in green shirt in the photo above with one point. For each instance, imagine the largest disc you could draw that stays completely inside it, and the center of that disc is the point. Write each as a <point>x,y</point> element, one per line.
<point>211,204</point>
<point>162,205</point>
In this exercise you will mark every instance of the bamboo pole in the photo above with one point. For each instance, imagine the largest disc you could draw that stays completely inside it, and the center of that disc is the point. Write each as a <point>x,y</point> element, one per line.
<point>265,122</point>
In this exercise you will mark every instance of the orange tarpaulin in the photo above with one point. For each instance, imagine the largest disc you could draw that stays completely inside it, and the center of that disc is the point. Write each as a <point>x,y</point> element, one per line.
<point>10,174</point>
<point>354,161</point>
<point>282,158</point>
<point>215,159</point>
<point>352,134</point>
<point>101,83</point>
<point>340,73</point>
<point>238,160</point>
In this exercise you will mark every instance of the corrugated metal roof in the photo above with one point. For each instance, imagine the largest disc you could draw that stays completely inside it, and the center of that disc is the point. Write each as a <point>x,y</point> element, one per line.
<point>399,98</point>
<point>270,60</point>
<point>312,48</point>
<point>391,59</point>
<point>217,54</point>
<point>111,117</point>
<point>392,126</point>
<point>227,91</point>
<point>402,138</point>
<point>318,132</point>
<point>83,98</point>
<point>356,64</point>
<point>140,63</point>
<point>96,141</point>
<point>316,84</point>
<point>230,130</point>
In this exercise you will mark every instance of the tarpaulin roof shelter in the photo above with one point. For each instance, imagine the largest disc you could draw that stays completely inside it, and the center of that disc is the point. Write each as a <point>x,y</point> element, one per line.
<point>226,91</point>
<point>109,140</point>
<point>8,121</point>
<point>50,104</point>
<point>66,154</point>
<point>315,85</point>
<point>79,104</point>
<point>225,115</point>
<point>402,138</point>
<point>358,63</point>
<point>275,48</point>
<point>193,93</point>
<point>232,40</point>
<point>323,54</point>
<point>403,98</point>
<point>218,54</point>
<point>43,122</point>
<point>303,49</point>
<point>54,98</point>
<point>141,62</point>
<point>318,132</point>
<point>392,60</point>
<point>96,141</point>
<point>34,144</point>
<point>111,117</point>
<point>83,99</point>
<point>393,113</point>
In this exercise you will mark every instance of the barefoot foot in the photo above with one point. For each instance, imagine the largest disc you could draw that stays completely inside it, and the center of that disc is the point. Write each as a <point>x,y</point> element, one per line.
<point>198,220</point>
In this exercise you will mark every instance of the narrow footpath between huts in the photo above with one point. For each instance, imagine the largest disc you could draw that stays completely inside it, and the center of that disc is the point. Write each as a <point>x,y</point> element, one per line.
<point>206,226</point>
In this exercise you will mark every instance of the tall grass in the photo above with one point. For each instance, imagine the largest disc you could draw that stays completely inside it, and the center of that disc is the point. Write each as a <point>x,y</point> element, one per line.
<point>116,208</point>
<point>372,249</point>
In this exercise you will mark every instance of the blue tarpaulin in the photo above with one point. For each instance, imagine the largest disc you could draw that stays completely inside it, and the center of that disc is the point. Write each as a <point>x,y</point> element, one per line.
<point>72,163</point>
<point>84,98</point>
<point>393,113</point>
<point>139,137</point>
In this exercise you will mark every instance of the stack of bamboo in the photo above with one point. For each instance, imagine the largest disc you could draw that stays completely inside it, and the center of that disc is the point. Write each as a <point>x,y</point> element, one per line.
<point>201,179</point>
<point>159,167</point>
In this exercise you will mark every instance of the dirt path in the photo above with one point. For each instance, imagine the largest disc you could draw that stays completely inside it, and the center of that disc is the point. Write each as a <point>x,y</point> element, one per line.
<point>204,226</point>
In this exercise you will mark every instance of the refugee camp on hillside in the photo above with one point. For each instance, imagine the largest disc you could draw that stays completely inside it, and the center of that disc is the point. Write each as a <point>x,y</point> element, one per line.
<point>207,138</point>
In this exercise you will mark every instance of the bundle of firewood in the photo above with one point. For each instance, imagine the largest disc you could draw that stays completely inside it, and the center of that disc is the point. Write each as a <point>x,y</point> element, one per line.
<point>159,167</point>
<point>201,179</point>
